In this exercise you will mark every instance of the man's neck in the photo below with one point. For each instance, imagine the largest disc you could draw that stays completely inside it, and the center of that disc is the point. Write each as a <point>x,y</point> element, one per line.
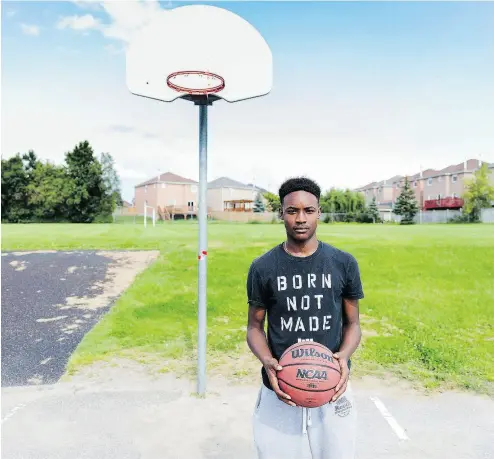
<point>301,249</point>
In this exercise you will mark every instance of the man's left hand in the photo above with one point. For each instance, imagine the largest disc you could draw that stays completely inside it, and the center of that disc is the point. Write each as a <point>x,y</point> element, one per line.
<point>345,373</point>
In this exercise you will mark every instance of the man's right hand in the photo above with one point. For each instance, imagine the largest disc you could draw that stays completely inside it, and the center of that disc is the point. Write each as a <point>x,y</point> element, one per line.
<point>271,366</point>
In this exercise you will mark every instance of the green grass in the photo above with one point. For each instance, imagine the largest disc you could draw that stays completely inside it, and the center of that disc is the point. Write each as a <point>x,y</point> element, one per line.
<point>427,316</point>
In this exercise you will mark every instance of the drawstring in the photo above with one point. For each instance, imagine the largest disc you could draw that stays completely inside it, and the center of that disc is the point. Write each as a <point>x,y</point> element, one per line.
<point>306,419</point>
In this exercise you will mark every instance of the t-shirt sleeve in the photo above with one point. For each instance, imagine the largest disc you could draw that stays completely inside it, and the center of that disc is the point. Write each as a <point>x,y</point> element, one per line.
<point>255,289</point>
<point>353,284</point>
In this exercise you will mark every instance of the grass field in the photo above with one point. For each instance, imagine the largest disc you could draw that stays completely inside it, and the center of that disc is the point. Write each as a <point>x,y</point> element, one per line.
<point>427,316</point>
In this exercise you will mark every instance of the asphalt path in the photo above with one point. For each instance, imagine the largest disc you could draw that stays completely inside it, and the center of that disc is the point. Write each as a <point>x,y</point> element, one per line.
<point>50,300</point>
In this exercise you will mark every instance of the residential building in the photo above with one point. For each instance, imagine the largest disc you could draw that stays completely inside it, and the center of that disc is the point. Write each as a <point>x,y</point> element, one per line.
<point>228,195</point>
<point>167,190</point>
<point>434,189</point>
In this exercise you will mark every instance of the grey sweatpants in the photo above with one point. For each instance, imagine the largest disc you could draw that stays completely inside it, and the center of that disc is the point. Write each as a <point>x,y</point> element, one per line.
<point>285,432</point>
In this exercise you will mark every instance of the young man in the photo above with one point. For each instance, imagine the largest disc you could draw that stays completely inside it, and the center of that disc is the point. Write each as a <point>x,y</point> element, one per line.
<point>309,290</point>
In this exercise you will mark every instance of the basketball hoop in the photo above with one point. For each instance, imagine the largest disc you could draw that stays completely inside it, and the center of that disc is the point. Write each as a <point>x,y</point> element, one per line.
<point>195,82</point>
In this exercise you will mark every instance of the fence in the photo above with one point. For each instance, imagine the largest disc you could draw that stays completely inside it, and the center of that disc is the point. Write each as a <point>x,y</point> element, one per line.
<point>129,215</point>
<point>433,216</point>
<point>423,217</point>
<point>487,215</point>
<point>245,217</point>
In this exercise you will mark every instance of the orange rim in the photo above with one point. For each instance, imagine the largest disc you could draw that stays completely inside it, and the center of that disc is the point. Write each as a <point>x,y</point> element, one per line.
<point>177,88</point>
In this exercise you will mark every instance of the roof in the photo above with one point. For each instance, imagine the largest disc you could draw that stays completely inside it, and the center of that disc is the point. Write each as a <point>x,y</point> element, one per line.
<point>168,177</point>
<point>225,182</point>
<point>258,188</point>
<point>470,165</point>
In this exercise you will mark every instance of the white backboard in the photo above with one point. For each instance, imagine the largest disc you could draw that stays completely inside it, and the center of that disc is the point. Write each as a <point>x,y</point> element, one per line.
<point>199,38</point>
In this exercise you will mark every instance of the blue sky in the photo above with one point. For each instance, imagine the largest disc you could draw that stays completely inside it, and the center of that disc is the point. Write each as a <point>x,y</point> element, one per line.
<point>361,91</point>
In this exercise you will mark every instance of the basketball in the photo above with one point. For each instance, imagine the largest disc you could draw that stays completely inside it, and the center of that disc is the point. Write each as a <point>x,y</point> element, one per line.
<point>309,374</point>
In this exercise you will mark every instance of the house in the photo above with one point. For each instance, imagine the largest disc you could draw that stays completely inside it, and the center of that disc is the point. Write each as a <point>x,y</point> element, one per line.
<point>228,195</point>
<point>434,189</point>
<point>179,195</point>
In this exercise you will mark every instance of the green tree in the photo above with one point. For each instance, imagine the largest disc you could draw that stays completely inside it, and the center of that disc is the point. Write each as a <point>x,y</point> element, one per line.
<point>111,178</point>
<point>406,204</point>
<point>48,192</point>
<point>479,193</point>
<point>258,204</point>
<point>273,204</point>
<point>15,180</point>
<point>87,200</point>
<point>373,211</point>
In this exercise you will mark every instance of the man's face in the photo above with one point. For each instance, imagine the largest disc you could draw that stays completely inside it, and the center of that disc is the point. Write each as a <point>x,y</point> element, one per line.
<point>300,212</point>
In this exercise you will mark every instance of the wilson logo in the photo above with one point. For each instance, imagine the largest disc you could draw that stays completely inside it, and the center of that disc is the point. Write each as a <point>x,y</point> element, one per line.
<point>311,374</point>
<point>311,352</point>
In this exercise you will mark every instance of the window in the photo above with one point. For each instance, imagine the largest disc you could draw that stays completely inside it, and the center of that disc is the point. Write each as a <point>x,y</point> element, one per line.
<point>455,195</point>
<point>440,178</point>
<point>415,184</point>
<point>190,204</point>
<point>454,178</point>
<point>429,181</point>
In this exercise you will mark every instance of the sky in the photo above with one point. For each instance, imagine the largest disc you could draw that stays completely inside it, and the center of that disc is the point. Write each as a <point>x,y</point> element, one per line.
<point>361,91</point>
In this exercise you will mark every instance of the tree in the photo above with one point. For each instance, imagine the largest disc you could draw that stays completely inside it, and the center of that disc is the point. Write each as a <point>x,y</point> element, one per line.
<point>258,204</point>
<point>88,192</point>
<point>273,201</point>
<point>15,180</point>
<point>373,211</point>
<point>48,192</point>
<point>479,193</point>
<point>111,178</point>
<point>406,204</point>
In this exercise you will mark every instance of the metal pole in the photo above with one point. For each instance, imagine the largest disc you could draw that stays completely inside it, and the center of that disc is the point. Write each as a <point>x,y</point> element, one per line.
<point>202,280</point>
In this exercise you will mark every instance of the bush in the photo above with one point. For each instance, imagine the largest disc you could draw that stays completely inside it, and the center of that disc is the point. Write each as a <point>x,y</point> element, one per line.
<point>463,218</point>
<point>103,218</point>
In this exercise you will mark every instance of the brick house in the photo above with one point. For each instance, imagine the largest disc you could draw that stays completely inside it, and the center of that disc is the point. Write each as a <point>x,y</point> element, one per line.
<point>228,195</point>
<point>434,189</point>
<point>167,190</point>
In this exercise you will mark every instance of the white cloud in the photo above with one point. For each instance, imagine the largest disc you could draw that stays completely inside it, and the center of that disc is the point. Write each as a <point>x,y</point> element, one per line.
<point>30,29</point>
<point>128,17</point>
<point>125,18</point>
<point>86,22</point>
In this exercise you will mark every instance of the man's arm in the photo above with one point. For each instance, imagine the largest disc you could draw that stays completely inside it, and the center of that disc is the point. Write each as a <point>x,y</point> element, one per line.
<point>256,337</point>
<point>258,344</point>
<point>352,334</point>
<point>350,341</point>
<point>351,328</point>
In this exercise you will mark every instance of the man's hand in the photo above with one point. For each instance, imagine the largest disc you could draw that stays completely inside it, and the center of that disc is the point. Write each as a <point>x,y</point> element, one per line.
<point>345,373</point>
<point>272,366</point>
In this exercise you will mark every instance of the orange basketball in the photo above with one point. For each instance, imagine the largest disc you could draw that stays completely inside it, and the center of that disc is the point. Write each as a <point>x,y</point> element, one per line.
<point>309,374</point>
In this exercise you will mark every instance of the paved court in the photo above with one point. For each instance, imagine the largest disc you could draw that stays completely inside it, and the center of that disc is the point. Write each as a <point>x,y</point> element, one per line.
<point>162,420</point>
<point>50,300</point>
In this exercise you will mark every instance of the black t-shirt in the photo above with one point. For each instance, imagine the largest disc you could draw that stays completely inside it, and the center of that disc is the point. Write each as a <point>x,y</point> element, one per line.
<point>303,296</point>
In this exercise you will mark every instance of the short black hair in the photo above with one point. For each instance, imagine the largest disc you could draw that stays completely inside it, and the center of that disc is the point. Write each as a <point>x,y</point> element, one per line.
<point>299,184</point>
